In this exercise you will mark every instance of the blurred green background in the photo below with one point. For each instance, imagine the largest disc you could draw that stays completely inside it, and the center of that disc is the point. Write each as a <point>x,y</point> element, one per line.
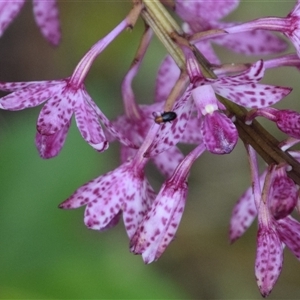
<point>49,253</point>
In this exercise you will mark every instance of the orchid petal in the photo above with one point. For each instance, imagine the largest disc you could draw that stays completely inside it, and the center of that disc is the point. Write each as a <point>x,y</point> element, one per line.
<point>289,231</point>
<point>167,161</point>
<point>243,213</point>
<point>46,16</point>
<point>110,126</point>
<point>8,12</point>
<point>219,133</point>
<point>253,95</point>
<point>192,134</point>
<point>284,197</point>
<point>160,224</point>
<point>269,259</point>
<point>167,76</point>
<point>57,112</point>
<point>252,75</point>
<point>171,132</point>
<point>30,96</point>
<point>200,14</point>
<point>88,124</point>
<point>258,42</point>
<point>288,121</point>
<point>107,195</point>
<point>50,145</point>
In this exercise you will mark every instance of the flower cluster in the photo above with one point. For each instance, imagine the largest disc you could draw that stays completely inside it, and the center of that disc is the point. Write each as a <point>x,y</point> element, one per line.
<point>198,101</point>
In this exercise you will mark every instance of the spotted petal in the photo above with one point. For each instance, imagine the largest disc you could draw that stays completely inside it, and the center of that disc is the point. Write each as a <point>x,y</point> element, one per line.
<point>50,145</point>
<point>160,224</point>
<point>269,258</point>
<point>114,131</point>
<point>109,194</point>
<point>8,11</point>
<point>47,19</point>
<point>31,95</point>
<point>57,111</point>
<point>284,196</point>
<point>252,75</point>
<point>88,124</point>
<point>192,134</point>
<point>288,121</point>
<point>167,76</point>
<point>219,133</point>
<point>258,42</point>
<point>289,231</point>
<point>171,132</point>
<point>243,213</point>
<point>200,14</point>
<point>253,95</point>
<point>167,161</point>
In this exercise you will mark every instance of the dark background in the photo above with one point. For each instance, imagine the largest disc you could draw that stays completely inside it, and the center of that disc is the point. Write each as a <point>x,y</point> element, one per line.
<point>49,253</point>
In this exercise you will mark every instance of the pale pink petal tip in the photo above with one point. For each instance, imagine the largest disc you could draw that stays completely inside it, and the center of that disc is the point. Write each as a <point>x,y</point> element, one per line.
<point>47,18</point>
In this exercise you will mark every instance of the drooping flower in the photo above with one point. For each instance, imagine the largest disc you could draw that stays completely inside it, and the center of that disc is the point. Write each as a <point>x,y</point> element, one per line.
<point>161,222</point>
<point>124,190</point>
<point>283,196</point>
<point>46,16</point>
<point>275,226</point>
<point>64,97</point>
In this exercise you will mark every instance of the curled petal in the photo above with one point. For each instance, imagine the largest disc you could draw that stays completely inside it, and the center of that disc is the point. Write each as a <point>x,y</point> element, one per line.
<point>50,145</point>
<point>110,126</point>
<point>159,226</point>
<point>47,19</point>
<point>219,133</point>
<point>89,126</point>
<point>269,258</point>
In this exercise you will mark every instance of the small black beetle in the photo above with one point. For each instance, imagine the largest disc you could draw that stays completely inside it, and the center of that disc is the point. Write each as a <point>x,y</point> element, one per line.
<point>166,116</point>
